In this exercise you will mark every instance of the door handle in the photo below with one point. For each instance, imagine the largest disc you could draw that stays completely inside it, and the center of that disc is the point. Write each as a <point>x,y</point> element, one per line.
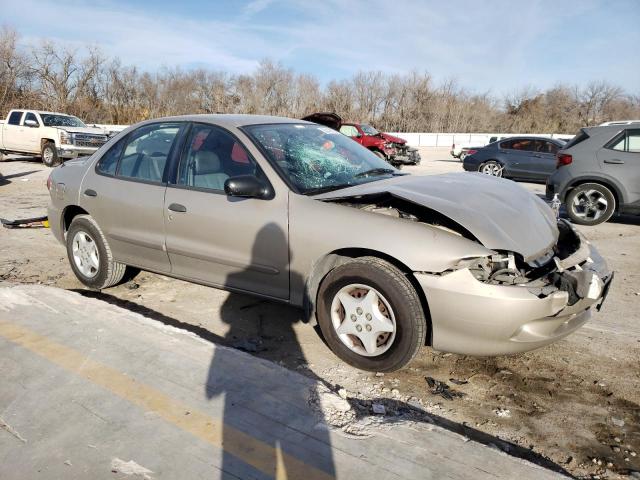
<point>615,161</point>
<point>90,193</point>
<point>176,207</point>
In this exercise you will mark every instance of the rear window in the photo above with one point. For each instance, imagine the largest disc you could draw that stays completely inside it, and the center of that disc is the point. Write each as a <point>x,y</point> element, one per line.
<point>14,118</point>
<point>581,136</point>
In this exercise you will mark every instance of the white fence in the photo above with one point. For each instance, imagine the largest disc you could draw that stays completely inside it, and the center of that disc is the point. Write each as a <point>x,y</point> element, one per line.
<point>424,139</point>
<point>467,139</point>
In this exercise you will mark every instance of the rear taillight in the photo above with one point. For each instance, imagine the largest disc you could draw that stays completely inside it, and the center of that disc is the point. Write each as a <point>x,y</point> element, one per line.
<point>49,182</point>
<point>471,152</point>
<point>563,159</point>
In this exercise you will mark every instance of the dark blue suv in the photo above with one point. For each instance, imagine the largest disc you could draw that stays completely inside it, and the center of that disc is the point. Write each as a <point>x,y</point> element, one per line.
<point>522,158</point>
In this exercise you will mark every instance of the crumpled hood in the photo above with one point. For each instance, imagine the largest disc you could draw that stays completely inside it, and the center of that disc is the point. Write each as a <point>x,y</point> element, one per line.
<point>90,130</point>
<point>501,214</point>
<point>391,138</point>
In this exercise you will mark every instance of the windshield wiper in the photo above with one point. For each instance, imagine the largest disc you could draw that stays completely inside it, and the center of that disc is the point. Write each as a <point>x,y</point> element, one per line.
<point>328,188</point>
<point>375,171</point>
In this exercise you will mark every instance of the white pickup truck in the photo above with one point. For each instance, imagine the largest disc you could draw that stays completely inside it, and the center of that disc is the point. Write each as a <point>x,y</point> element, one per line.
<point>53,136</point>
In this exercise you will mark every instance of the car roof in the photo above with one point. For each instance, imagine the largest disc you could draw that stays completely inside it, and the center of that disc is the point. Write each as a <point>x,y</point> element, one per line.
<point>229,120</point>
<point>40,112</point>
<point>528,137</point>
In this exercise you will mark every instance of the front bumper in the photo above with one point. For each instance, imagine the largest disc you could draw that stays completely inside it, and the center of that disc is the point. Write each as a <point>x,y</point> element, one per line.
<point>411,158</point>
<point>73,151</point>
<point>474,318</point>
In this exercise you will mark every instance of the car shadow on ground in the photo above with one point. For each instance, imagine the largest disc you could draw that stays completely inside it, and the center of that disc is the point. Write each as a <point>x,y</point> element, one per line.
<point>245,339</point>
<point>6,179</point>
<point>26,159</point>
<point>453,160</point>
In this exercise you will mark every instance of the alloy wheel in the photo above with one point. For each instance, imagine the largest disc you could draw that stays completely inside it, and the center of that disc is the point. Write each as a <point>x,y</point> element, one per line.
<point>589,205</point>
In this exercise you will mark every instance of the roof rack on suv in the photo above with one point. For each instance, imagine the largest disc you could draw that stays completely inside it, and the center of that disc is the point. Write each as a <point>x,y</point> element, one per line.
<point>619,122</point>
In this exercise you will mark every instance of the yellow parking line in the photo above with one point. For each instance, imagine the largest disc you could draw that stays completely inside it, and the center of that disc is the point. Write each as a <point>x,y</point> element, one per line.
<point>250,450</point>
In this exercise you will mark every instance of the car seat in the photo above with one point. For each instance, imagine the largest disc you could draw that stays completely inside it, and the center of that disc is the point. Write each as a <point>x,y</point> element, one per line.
<point>207,171</point>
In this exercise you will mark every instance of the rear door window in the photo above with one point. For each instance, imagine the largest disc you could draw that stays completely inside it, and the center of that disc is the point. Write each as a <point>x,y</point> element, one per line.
<point>634,141</point>
<point>147,151</point>
<point>521,144</point>
<point>14,118</point>
<point>627,141</point>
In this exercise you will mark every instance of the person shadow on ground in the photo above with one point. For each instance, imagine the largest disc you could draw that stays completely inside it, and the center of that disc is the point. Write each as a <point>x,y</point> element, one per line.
<point>275,417</point>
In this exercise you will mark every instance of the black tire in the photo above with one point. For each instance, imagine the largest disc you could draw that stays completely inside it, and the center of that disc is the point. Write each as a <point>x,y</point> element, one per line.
<point>411,324</point>
<point>109,272</point>
<point>492,165</point>
<point>379,154</point>
<point>49,154</point>
<point>586,195</point>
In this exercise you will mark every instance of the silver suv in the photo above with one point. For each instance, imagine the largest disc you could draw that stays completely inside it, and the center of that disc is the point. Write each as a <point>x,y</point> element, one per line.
<point>598,174</point>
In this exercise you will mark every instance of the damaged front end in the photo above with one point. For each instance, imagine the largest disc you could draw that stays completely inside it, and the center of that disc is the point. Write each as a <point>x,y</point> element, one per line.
<point>502,302</point>
<point>568,267</point>
<point>401,154</point>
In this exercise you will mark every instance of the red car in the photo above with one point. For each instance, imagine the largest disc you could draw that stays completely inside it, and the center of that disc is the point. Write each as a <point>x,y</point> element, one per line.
<point>393,149</point>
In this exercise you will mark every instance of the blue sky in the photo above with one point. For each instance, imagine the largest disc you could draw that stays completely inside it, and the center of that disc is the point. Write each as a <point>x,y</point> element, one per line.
<point>498,46</point>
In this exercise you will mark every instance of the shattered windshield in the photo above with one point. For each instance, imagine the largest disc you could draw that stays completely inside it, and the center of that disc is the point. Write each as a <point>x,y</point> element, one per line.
<point>368,129</point>
<point>50,120</point>
<point>317,159</point>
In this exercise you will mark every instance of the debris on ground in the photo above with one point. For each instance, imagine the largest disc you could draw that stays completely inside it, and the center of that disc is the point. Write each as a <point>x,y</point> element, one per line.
<point>458,382</point>
<point>378,409</point>
<point>130,468</point>
<point>441,388</point>
<point>502,412</point>
<point>4,425</point>
<point>36,222</point>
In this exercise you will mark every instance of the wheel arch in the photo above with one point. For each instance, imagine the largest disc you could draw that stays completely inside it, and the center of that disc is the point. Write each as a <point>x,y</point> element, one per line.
<point>68,214</point>
<point>341,256</point>
<point>46,140</point>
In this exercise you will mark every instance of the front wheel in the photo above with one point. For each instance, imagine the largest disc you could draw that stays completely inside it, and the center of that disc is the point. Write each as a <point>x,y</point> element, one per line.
<point>370,315</point>
<point>90,256</point>
<point>50,154</point>
<point>492,168</point>
<point>590,204</point>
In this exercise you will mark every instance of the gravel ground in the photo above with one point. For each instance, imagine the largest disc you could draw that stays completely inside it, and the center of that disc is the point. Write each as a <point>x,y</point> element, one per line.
<point>573,405</point>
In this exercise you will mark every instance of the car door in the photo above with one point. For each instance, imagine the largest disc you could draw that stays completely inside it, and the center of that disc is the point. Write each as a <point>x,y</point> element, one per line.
<point>11,137</point>
<point>620,159</point>
<point>125,194</point>
<point>513,153</point>
<point>237,243</point>
<point>540,160</point>
<point>30,136</point>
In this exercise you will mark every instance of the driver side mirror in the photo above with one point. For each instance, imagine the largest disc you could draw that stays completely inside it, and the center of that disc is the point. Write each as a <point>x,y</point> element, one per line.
<point>247,186</point>
<point>31,123</point>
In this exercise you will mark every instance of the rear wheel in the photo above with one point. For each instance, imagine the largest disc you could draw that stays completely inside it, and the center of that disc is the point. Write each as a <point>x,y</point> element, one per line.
<point>493,168</point>
<point>90,256</point>
<point>590,204</point>
<point>370,315</point>
<point>50,154</point>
